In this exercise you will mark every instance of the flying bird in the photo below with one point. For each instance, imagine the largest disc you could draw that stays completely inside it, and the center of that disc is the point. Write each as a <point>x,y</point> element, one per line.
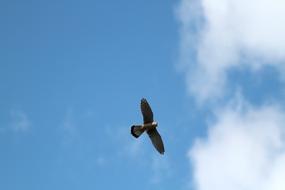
<point>149,125</point>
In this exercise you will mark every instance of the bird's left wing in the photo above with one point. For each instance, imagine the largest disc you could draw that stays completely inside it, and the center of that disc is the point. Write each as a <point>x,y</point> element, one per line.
<point>146,111</point>
<point>156,140</point>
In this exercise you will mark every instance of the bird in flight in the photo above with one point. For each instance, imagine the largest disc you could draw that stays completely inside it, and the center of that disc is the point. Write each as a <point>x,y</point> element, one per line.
<point>149,125</point>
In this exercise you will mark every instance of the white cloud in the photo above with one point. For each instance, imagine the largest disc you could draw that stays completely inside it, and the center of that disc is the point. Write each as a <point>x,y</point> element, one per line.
<point>222,34</point>
<point>245,146</point>
<point>244,149</point>
<point>20,121</point>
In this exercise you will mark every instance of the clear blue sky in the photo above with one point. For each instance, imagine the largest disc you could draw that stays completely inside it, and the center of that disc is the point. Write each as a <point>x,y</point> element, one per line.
<point>72,74</point>
<point>75,72</point>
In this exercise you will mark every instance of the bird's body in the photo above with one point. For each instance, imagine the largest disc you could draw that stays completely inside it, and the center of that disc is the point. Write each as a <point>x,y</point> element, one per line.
<point>149,126</point>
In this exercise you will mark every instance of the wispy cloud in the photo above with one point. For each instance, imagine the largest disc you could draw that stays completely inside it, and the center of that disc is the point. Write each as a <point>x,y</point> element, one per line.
<point>218,35</point>
<point>69,127</point>
<point>130,147</point>
<point>244,149</point>
<point>161,169</point>
<point>19,121</point>
<point>101,161</point>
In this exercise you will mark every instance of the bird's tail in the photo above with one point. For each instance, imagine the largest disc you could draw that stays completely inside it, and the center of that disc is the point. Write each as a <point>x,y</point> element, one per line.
<point>137,130</point>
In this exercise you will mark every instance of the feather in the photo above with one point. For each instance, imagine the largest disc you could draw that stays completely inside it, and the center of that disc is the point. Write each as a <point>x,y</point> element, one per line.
<point>136,130</point>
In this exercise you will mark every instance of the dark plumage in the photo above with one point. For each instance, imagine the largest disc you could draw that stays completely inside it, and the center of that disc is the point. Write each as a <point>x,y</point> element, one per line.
<point>149,126</point>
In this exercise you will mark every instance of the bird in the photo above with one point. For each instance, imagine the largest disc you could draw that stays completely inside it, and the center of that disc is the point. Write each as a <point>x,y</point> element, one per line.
<point>149,125</point>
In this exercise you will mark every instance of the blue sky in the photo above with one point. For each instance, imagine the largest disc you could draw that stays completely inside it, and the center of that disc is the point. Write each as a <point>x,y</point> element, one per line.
<point>72,74</point>
<point>74,70</point>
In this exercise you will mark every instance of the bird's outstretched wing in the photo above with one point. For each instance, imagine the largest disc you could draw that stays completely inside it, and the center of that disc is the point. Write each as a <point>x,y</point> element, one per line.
<point>156,140</point>
<point>146,111</point>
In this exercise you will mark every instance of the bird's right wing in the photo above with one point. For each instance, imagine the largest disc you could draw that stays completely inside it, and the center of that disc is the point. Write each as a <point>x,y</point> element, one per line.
<point>156,140</point>
<point>146,111</point>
